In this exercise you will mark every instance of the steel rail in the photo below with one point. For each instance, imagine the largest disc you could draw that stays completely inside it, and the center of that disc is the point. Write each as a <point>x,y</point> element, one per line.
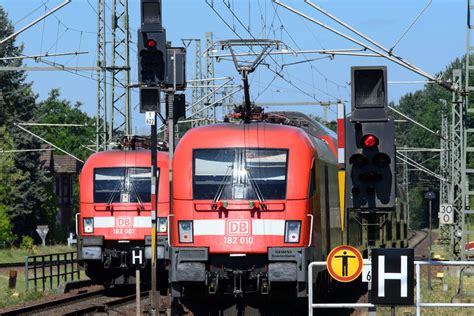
<point>49,305</point>
<point>105,307</point>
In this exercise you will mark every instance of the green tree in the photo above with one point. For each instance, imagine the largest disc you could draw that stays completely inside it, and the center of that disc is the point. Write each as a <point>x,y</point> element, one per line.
<point>31,199</point>
<point>55,110</point>
<point>59,111</point>
<point>9,177</point>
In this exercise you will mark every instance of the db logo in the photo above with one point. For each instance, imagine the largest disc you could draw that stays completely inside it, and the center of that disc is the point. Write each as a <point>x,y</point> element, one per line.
<point>238,227</point>
<point>123,222</point>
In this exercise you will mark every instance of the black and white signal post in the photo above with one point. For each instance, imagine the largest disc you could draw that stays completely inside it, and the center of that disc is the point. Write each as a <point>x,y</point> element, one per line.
<point>160,67</point>
<point>151,75</point>
<point>392,276</point>
<point>138,262</point>
<point>370,193</point>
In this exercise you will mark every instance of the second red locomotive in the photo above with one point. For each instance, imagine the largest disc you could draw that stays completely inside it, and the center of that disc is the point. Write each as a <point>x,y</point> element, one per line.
<point>115,213</point>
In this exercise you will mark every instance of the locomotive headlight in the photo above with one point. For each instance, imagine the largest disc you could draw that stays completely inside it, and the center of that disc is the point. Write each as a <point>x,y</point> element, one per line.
<point>292,231</point>
<point>162,224</point>
<point>88,225</point>
<point>185,230</point>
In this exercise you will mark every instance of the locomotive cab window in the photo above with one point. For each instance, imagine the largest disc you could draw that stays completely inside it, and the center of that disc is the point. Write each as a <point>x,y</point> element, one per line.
<point>240,174</point>
<point>115,185</point>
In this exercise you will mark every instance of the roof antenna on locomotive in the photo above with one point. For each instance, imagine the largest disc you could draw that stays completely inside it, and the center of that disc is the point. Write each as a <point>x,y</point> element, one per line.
<point>246,66</point>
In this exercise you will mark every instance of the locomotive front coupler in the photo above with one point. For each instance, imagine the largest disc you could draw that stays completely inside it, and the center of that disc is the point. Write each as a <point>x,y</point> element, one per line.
<point>123,260</point>
<point>212,283</point>
<point>238,291</point>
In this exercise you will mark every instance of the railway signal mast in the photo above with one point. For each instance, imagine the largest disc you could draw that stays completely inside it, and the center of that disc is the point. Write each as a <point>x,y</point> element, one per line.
<point>370,149</point>
<point>151,74</point>
<point>160,67</point>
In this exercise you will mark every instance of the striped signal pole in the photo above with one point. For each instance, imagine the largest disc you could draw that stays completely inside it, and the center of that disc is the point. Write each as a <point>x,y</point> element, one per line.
<point>154,299</point>
<point>341,121</point>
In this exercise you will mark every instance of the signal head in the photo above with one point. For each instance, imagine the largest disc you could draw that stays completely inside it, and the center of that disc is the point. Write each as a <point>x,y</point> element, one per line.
<point>151,43</point>
<point>358,160</point>
<point>370,141</point>
<point>381,160</point>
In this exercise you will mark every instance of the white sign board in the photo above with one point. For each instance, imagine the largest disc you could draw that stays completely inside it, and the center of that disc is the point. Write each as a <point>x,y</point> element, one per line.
<point>446,214</point>
<point>367,273</point>
<point>150,118</point>
<point>42,231</point>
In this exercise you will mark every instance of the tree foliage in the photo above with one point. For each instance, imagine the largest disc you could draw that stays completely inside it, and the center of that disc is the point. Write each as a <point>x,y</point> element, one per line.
<point>9,177</point>
<point>30,199</point>
<point>59,111</point>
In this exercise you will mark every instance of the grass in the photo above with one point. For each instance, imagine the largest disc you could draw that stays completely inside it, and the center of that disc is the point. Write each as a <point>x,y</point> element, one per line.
<point>438,295</point>
<point>18,255</point>
<point>19,295</point>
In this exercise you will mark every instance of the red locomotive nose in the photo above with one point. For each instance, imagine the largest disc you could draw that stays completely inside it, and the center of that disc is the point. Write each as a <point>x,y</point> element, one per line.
<point>370,141</point>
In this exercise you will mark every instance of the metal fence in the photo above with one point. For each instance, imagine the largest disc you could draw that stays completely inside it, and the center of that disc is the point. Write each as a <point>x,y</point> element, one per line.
<point>48,271</point>
<point>418,303</point>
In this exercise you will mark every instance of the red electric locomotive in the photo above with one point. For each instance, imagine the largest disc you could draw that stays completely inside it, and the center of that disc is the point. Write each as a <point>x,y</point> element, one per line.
<point>261,204</point>
<point>115,213</point>
<point>254,204</point>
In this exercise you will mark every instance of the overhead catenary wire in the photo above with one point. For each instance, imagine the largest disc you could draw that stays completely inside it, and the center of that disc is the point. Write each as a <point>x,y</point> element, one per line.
<point>412,24</point>
<point>15,34</point>
<point>275,72</point>
<point>389,56</point>
<point>278,73</point>
<point>47,142</point>
<point>365,37</point>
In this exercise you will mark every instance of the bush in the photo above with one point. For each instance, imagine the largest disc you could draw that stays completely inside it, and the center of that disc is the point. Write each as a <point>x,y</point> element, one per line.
<point>6,236</point>
<point>27,243</point>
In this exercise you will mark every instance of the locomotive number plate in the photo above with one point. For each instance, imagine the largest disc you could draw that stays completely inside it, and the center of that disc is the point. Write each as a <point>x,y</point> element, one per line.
<point>124,231</point>
<point>234,240</point>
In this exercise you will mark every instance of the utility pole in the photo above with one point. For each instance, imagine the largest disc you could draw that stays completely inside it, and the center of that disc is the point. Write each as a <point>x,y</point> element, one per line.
<point>113,110</point>
<point>197,92</point>
<point>457,171</point>
<point>444,168</point>
<point>101,118</point>
<point>405,185</point>
<point>197,88</point>
<point>120,70</point>
<point>210,74</point>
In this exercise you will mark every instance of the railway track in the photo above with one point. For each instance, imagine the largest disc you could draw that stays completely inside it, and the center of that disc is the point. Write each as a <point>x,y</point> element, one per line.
<point>97,301</point>
<point>112,302</point>
<point>416,238</point>
<point>49,306</point>
<point>419,241</point>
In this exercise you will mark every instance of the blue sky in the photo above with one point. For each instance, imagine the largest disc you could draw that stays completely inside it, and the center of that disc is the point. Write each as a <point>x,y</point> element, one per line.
<point>432,43</point>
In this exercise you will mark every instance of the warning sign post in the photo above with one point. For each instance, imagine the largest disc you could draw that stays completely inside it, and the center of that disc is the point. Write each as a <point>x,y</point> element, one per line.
<point>345,263</point>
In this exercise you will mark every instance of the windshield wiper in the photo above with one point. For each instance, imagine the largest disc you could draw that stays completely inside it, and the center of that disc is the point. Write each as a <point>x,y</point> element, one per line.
<point>224,181</point>
<point>255,187</point>
<point>139,200</point>
<point>112,196</point>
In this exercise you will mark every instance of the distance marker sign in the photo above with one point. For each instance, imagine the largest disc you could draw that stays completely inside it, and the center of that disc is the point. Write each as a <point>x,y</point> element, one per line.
<point>344,263</point>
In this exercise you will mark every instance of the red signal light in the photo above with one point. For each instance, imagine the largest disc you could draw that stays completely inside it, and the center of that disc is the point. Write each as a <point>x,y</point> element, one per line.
<point>370,141</point>
<point>151,43</point>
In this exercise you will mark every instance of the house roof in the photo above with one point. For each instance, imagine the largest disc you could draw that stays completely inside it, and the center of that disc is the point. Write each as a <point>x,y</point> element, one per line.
<point>56,163</point>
